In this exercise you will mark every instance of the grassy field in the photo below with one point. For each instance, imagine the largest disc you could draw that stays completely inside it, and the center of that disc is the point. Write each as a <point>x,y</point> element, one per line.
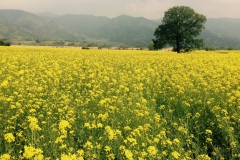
<point>96,104</point>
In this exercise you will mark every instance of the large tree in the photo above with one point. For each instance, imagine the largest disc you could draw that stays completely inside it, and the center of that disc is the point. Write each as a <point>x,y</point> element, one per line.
<point>179,29</point>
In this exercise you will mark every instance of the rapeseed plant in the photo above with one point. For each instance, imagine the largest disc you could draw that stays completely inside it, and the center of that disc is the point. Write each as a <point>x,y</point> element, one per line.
<point>31,152</point>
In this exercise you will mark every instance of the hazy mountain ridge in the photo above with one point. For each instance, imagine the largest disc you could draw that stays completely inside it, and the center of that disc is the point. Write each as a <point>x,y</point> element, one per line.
<point>30,26</point>
<point>122,30</point>
<point>47,14</point>
<point>222,32</point>
<point>128,30</point>
<point>82,24</point>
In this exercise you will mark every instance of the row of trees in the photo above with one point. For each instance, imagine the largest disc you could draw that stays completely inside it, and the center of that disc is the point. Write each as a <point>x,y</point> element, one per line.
<point>207,48</point>
<point>212,48</point>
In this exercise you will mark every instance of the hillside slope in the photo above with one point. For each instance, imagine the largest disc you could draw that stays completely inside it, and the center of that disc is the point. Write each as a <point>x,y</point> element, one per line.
<point>128,30</point>
<point>16,24</point>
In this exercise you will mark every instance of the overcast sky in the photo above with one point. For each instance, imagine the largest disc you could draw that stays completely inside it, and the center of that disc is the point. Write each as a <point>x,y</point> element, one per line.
<point>151,9</point>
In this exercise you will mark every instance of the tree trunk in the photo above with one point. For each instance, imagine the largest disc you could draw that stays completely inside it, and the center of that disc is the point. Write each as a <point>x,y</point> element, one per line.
<point>178,43</point>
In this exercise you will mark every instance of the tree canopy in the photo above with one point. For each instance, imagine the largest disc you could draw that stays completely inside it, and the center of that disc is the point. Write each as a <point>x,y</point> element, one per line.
<point>179,29</point>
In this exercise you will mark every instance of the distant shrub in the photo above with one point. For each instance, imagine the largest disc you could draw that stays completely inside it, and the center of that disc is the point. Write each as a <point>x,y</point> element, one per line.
<point>71,44</point>
<point>7,44</point>
<point>151,46</point>
<point>85,48</point>
<point>4,43</point>
<point>209,48</point>
<point>230,48</point>
<point>38,41</point>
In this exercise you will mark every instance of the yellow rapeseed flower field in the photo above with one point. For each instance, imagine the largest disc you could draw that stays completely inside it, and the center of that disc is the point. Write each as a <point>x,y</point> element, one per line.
<point>110,104</point>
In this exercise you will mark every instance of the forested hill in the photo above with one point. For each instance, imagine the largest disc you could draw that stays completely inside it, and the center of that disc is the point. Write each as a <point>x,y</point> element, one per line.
<point>17,25</point>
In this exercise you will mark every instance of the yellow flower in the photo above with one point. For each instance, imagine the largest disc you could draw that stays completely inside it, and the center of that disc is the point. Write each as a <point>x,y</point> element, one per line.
<point>107,148</point>
<point>88,145</point>
<point>152,150</point>
<point>81,152</point>
<point>122,148</point>
<point>157,117</point>
<point>110,132</point>
<point>99,125</point>
<point>197,115</point>
<point>209,140</point>
<point>175,154</point>
<point>164,153</point>
<point>5,157</point>
<point>64,124</point>
<point>111,156</point>
<point>32,110</point>
<point>9,137</point>
<point>208,131</point>
<point>203,157</point>
<point>233,144</point>
<point>60,139</point>
<point>87,125</point>
<point>176,141</point>
<point>133,141</point>
<point>63,146</point>
<point>128,154</point>
<point>39,157</point>
<point>127,128</point>
<point>31,152</point>
<point>68,157</point>
<point>169,142</point>
<point>33,123</point>
<point>4,84</point>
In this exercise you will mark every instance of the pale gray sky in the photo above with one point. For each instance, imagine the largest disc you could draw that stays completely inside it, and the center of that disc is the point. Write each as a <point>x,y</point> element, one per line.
<point>152,9</point>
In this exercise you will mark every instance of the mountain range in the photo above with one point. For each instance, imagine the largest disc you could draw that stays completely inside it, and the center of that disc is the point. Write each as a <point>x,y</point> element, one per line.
<point>18,25</point>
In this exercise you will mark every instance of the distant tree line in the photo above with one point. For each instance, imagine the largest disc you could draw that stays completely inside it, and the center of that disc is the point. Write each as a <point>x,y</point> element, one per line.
<point>2,43</point>
<point>212,48</point>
